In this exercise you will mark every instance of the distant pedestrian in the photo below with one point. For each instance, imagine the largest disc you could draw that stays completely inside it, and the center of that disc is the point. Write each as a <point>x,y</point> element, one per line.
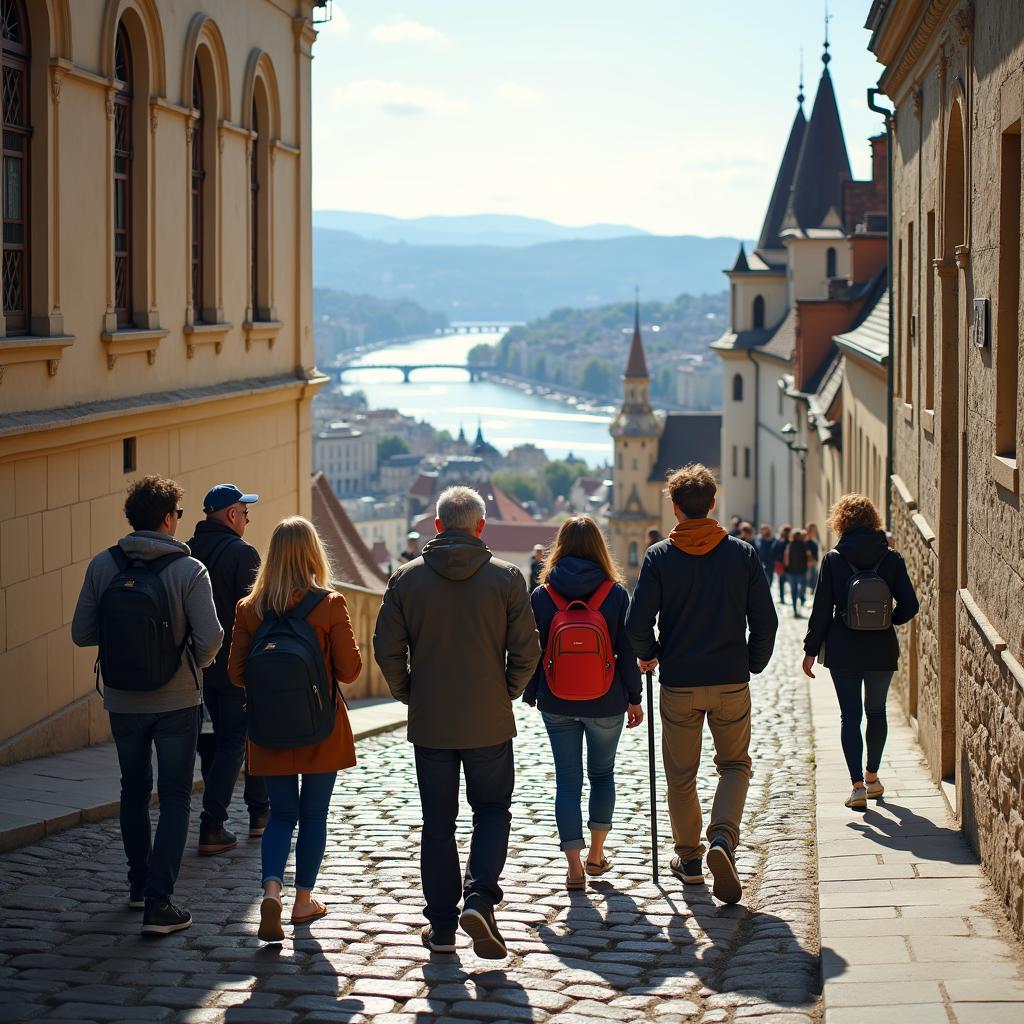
<point>232,565</point>
<point>813,555</point>
<point>151,683</point>
<point>294,583</point>
<point>796,561</point>
<point>747,532</point>
<point>457,642</point>
<point>536,566</point>
<point>653,536</point>
<point>861,660</point>
<point>734,526</point>
<point>705,590</point>
<point>580,570</point>
<point>765,547</point>
<point>412,547</point>
<point>779,550</point>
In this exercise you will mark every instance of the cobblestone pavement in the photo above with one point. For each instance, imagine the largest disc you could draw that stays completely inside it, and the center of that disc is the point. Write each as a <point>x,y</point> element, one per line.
<point>70,948</point>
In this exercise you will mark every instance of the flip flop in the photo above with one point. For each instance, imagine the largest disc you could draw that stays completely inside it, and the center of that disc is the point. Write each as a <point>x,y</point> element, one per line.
<point>270,921</point>
<point>594,870</point>
<point>315,916</point>
<point>575,883</point>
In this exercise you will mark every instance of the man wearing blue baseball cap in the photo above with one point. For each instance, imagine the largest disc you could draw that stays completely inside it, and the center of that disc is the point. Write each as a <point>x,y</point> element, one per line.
<point>232,565</point>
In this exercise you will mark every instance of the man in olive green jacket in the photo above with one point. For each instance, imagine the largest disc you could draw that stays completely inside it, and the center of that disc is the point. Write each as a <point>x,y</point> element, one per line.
<point>457,642</point>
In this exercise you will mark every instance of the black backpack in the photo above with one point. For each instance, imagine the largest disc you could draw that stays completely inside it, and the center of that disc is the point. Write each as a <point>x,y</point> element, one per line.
<point>290,702</point>
<point>137,648</point>
<point>868,599</point>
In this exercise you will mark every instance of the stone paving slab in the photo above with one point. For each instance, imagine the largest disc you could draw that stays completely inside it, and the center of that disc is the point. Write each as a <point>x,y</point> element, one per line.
<point>49,794</point>
<point>910,928</point>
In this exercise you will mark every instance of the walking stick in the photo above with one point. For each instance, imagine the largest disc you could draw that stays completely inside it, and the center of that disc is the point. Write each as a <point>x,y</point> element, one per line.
<point>651,769</point>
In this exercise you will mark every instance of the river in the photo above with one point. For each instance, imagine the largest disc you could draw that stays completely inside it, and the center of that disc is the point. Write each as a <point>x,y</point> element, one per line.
<point>448,400</point>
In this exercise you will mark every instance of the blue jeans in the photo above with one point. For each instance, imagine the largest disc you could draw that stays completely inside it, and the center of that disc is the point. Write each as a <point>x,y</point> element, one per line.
<point>861,692</point>
<point>812,578</point>
<point>226,705</point>
<point>797,581</point>
<point>155,861</point>
<point>292,805</point>
<point>566,734</point>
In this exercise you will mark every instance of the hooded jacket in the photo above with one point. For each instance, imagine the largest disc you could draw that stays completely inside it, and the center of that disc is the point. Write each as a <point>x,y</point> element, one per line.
<point>578,578</point>
<point>849,649</point>
<point>703,604</point>
<point>456,641</point>
<point>193,614</point>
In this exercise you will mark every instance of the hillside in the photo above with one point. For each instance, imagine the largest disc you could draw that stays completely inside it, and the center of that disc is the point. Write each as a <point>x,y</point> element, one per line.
<point>489,282</point>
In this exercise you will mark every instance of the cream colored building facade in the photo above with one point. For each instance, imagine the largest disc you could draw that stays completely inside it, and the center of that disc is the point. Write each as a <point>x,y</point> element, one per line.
<point>157,301</point>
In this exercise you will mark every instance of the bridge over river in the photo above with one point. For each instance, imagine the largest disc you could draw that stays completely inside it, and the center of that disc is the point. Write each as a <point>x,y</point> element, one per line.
<point>475,370</point>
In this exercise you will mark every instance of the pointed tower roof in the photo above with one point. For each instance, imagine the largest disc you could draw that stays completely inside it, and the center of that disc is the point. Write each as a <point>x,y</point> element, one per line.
<point>741,263</point>
<point>479,433</point>
<point>823,164</point>
<point>637,365</point>
<point>776,215</point>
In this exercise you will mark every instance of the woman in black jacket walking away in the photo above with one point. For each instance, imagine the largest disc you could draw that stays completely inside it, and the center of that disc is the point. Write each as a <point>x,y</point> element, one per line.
<point>578,566</point>
<point>862,662</point>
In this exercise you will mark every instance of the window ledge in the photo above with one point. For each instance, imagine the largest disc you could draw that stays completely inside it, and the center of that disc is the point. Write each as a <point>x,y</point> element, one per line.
<point>261,330</point>
<point>130,340</point>
<point>31,348</point>
<point>928,420</point>
<point>205,334</point>
<point>908,412</point>
<point>923,528</point>
<point>1005,472</point>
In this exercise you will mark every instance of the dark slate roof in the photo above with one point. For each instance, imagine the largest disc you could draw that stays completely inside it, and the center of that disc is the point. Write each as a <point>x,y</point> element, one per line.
<point>637,365</point>
<point>688,437</point>
<point>783,342</point>
<point>869,337</point>
<point>733,340</point>
<point>823,164</point>
<point>783,184</point>
<point>741,263</point>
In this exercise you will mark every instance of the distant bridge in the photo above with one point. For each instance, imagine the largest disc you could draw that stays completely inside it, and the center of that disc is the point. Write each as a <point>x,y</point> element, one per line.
<point>475,370</point>
<point>480,327</point>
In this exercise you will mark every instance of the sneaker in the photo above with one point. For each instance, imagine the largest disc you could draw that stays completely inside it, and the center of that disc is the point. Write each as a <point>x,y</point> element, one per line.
<point>258,823</point>
<point>137,895</point>
<point>858,799</point>
<point>722,865</point>
<point>690,872</point>
<point>214,838</point>
<point>478,922</point>
<point>875,789</point>
<point>162,917</point>
<point>438,940</point>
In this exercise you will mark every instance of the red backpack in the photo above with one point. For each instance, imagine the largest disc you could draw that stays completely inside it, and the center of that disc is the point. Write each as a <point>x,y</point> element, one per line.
<point>579,663</point>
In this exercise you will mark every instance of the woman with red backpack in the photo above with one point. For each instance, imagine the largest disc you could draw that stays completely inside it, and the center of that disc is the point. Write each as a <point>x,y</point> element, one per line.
<point>587,680</point>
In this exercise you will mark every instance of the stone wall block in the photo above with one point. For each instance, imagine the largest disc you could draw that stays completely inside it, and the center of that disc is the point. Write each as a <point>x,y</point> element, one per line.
<point>13,551</point>
<point>71,577</point>
<point>33,608</point>
<point>61,479</point>
<point>7,491</point>
<point>60,680</point>
<point>107,522</point>
<point>56,538</point>
<point>19,669</point>
<point>35,544</point>
<point>81,531</point>
<point>93,472</point>
<point>29,486</point>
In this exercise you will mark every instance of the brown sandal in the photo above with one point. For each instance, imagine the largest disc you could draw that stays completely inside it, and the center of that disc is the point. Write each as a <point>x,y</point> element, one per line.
<point>321,911</point>
<point>270,929</point>
<point>576,883</point>
<point>594,870</point>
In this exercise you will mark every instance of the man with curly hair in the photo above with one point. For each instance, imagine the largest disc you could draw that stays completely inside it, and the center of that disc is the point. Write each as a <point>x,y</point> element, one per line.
<point>142,598</point>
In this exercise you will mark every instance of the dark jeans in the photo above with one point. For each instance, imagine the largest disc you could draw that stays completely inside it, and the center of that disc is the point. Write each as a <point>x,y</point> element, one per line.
<point>490,778</point>
<point>861,692</point>
<point>155,861</point>
<point>797,582</point>
<point>306,807</point>
<point>221,764</point>
<point>782,586</point>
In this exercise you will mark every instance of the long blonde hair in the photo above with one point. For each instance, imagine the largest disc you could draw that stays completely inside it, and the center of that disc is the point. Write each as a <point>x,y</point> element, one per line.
<point>296,562</point>
<point>581,537</point>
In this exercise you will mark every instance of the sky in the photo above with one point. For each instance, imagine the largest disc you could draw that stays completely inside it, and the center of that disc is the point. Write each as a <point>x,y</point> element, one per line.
<point>669,115</point>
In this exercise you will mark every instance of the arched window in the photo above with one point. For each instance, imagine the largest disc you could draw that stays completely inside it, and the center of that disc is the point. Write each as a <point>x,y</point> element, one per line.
<point>830,262</point>
<point>737,388</point>
<point>254,212</point>
<point>198,174</point>
<point>758,312</point>
<point>634,554</point>
<point>123,180</point>
<point>15,52</point>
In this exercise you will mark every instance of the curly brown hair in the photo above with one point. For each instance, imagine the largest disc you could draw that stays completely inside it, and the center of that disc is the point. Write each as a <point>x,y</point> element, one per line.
<point>150,500</point>
<point>853,512</point>
<point>692,489</point>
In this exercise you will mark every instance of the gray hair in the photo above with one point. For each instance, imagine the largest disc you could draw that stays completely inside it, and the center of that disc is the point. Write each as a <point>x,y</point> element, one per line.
<point>460,508</point>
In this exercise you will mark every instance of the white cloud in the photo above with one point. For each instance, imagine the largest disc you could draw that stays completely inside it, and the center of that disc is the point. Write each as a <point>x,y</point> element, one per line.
<point>520,95</point>
<point>408,31</point>
<point>395,98</point>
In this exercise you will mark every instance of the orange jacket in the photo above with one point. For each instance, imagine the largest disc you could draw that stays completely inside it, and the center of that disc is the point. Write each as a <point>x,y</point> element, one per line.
<point>333,628</point>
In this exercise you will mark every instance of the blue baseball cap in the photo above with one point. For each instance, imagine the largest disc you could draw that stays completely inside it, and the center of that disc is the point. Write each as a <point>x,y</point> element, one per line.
<point>223,495</point>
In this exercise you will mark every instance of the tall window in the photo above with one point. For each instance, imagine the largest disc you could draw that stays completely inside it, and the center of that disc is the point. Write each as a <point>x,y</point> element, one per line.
<point>746,463</point>
<point>254,214</point>
<point>908,312</point>
<point>830,262</point>
<point>1008,302</point>
<point>758,312</point>
<point>929,316</point>
<point>735,460</point>
<point>737,388</point>
<point>14,56</point>
<point>198,174</point>
<point>634,554</point>
<point>123,180</point>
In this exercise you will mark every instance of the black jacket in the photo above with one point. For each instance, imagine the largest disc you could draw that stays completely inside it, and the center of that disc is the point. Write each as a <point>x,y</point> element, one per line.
<point>232,565</point>
<point>703,604</point>
<point>579,578</point>
<point>849,649</point>
<point>765,548</point>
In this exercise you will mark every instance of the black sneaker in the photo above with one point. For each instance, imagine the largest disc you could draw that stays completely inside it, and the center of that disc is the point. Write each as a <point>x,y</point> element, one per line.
<point>214,838</point>
<point>690,872</point>
<point>137,895</point>
<point>438,941</point>
<point>162,917</point>
<point>722,865</point>
<point>258,824</point>
<point>478,922</point>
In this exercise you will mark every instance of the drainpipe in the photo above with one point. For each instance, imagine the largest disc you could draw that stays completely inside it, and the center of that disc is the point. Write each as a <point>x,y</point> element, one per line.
<point>890,383</point>
<point>757,435</point>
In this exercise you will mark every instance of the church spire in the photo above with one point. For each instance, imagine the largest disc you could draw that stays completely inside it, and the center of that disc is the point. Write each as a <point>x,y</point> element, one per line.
<point>637,364</point>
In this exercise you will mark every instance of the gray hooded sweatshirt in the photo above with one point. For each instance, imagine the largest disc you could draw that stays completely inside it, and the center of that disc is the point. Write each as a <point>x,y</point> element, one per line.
<point>190,598</point>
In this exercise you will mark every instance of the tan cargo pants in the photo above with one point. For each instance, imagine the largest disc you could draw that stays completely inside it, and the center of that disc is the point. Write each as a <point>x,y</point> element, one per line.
<point>727,708</point>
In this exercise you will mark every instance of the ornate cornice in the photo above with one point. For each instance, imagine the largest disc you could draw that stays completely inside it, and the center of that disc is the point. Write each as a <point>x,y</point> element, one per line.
<point>965,23</point>
<point>919,38</point>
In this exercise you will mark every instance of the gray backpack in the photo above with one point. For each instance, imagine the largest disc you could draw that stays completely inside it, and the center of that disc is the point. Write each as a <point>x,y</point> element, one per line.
<point>868,599</point>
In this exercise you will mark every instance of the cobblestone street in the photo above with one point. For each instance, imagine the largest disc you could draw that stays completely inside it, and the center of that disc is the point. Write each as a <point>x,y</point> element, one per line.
<point>70,948</point>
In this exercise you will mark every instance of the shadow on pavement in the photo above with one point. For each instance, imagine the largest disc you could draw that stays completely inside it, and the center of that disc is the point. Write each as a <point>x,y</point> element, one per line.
<point>912,833</point>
